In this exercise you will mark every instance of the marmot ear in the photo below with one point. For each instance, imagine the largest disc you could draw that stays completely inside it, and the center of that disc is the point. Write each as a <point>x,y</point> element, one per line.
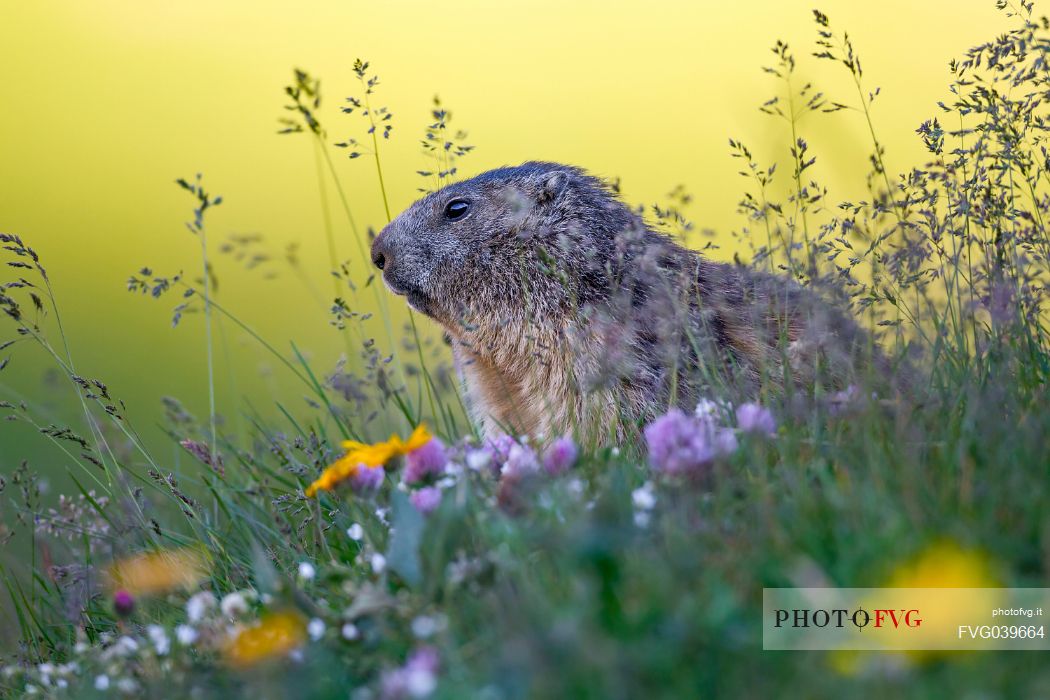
<point>552,186</point>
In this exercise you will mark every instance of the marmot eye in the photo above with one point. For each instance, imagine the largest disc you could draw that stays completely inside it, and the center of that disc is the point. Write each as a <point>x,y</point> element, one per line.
<point>456,208</point>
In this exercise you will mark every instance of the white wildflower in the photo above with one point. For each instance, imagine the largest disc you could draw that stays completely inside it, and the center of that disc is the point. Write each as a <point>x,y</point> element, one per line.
<point>159,636</point>
<point>315,628</point>
<point>186,635</point>
<point>234,604</point>
<point>355,532</point>
<point>427,625</point>
<point>712,410</point>
<point>307,571</point>
<point>125,646</point>
<point>421,682</point>
<point>350,631</point>
<point>643,497</point>
<point>199,605</point>
<point>478,459</point>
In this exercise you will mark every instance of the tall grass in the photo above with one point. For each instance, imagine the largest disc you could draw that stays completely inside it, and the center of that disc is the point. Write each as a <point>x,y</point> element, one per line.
<point>613,579</point>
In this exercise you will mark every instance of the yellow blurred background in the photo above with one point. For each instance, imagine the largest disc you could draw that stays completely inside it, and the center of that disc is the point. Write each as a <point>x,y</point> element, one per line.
<point>107,102</point>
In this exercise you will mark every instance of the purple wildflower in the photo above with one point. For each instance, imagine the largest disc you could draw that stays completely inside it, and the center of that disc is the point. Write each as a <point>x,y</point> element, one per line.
<point>123,603</point>
<point>501,446</point>
<point>426,500</point>
<point>560,456</point>
<point>426,461</point>
<point>416,679</point>
<point>681,444</point>
<point>424,659</point>
<point>753,418</point>
<point>846,401</point>
<point>367,480</point>
<point>723,440</point>
<point>521,460</point>
<point>491,455</point>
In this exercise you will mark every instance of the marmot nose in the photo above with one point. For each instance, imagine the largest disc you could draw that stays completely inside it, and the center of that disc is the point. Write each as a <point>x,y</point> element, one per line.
<point>380,255</point>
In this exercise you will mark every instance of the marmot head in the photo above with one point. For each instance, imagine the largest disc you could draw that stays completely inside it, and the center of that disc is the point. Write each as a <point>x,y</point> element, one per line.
<point>506,245</point>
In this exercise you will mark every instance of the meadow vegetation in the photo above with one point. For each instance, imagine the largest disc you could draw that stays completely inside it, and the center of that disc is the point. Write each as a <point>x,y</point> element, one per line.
<point>370,543</point>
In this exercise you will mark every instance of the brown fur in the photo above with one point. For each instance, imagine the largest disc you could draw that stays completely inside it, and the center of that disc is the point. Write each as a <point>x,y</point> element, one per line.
<point>566,311</point>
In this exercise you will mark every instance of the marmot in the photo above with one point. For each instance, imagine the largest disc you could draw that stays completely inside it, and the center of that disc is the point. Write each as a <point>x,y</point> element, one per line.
<point>566,311</point>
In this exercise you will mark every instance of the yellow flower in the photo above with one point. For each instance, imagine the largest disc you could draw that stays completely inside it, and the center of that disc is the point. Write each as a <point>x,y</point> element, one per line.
<point>272,637</point>
<point>945,564</point>
<point>942,564</point>
<point>360,454</point>
<point>157,572</point>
